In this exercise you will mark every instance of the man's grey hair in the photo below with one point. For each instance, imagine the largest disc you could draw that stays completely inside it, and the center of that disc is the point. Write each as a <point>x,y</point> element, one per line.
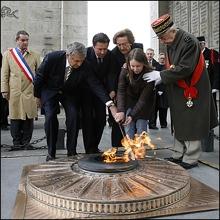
<point>76,48</point>
<point>151,49</point>
<point>173,27</point>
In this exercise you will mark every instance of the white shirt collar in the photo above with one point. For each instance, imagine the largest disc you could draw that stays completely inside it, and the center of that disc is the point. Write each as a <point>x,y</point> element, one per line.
<point>67,63</point>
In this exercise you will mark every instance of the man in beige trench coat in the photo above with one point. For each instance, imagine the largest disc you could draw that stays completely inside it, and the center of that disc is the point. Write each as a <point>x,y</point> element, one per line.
<point>18,69</point>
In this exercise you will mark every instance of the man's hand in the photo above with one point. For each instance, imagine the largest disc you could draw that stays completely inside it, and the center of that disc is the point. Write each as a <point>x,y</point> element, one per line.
<point>38,103</point>
<point>119,116</point>
<point>112,94</point>
<point>152,76</point>
<point>124,66</point>
<point>113,110</point>
<point>5,95</point>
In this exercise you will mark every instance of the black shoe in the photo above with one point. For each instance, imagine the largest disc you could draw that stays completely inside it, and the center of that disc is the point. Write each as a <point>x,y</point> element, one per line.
<point>5,127</point>
<point>171,159</point>
<point>97,151</point>
<point>188,166</point>
<point>48,158</point>
<point>28,147</point>
<point>71,154</point>
<point>153,127</point>
<point>163,126</point>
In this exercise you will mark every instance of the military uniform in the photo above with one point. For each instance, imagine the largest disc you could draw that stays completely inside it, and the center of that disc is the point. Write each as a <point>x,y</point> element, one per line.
<point>191,124</point>
<point>184,55</point>
<point>189,92</point>
<point>212,63</point>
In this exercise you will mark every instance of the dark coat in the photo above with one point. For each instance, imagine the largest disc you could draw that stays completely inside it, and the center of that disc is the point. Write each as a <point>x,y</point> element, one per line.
<point>49,80</point>
<point>138,95</point>
<point>118,60</point>
<point>189,123</point>
<point>103,71</point>
<point>212,66</point>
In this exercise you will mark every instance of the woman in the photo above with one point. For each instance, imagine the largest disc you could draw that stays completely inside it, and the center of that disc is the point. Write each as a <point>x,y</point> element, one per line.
<point>135,97</point>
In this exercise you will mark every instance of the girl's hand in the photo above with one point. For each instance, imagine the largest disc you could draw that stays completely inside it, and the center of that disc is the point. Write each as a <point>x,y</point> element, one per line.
<point>128,120</point>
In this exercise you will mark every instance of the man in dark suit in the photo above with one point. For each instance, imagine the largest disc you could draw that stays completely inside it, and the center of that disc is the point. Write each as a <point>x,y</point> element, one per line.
<point>59,79</point>
<point>161,105</point>
<point>93,110</point>
<point>150,58</point>
<point>124,41</point>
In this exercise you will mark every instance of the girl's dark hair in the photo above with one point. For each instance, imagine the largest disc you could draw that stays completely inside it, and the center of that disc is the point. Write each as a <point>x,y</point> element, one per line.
<point>138,55</point>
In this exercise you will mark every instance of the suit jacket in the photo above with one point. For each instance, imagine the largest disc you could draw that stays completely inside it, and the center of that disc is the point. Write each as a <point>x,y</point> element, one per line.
<point>49,80</point>
<point>103,71</point>
<point>118,60</point>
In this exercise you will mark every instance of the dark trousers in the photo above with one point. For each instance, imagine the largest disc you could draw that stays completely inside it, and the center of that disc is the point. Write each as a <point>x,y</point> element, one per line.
<point>93,121</point>
<point>162,117</point>
<point>51,124</point>
<point>116,135</point>
<point>21,131</point>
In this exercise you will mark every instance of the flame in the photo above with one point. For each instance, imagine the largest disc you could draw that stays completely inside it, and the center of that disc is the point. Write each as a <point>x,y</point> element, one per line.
<point>134,149</point>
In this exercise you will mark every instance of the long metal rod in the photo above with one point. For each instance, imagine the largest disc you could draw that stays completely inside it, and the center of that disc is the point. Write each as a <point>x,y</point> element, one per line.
<point>121,129</point>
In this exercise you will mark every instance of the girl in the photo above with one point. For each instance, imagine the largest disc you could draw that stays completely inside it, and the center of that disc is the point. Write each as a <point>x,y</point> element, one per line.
<point>135,97</point>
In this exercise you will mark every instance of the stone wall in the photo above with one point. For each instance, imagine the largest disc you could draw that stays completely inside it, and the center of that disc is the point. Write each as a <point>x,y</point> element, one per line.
<point>201,18</point>
<point>51,24</point>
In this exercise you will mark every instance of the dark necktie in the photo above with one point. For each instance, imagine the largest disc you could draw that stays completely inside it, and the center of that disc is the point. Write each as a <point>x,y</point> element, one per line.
<point>23,51</point>
<point>99,60</point>
<point>67,72</point>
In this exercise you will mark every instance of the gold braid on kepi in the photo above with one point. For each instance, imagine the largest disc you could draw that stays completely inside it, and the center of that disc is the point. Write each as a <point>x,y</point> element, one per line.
<point>162,24</point>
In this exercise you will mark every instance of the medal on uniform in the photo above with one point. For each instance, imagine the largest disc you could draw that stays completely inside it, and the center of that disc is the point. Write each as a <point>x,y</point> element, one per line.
<point>189,102</point>
<point>172,66</point>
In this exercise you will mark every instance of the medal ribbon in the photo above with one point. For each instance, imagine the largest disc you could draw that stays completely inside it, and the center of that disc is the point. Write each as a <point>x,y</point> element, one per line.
<point>191,92</point>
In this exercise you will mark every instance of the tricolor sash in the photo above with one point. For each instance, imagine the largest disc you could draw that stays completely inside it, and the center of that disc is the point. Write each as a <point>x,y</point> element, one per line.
<point>191,92</point>
<point>19,59</point>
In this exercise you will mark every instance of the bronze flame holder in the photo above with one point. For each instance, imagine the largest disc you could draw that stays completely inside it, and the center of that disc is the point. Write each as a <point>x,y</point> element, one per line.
<point>62,189</point>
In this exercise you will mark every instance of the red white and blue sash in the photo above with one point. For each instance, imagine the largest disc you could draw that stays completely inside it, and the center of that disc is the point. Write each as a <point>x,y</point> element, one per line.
<point>19,59</point>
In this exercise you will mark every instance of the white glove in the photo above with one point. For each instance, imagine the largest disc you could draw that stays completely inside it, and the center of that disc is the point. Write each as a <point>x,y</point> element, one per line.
<point>214,90</point>
<point>160,93</point>
<point>152,76</point>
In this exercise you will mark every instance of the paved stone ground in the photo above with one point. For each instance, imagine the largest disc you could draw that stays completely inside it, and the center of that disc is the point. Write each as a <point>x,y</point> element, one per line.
<point>12,164</point>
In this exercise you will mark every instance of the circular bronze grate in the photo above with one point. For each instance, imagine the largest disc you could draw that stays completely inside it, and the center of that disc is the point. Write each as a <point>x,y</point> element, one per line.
<point>154,184</point>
